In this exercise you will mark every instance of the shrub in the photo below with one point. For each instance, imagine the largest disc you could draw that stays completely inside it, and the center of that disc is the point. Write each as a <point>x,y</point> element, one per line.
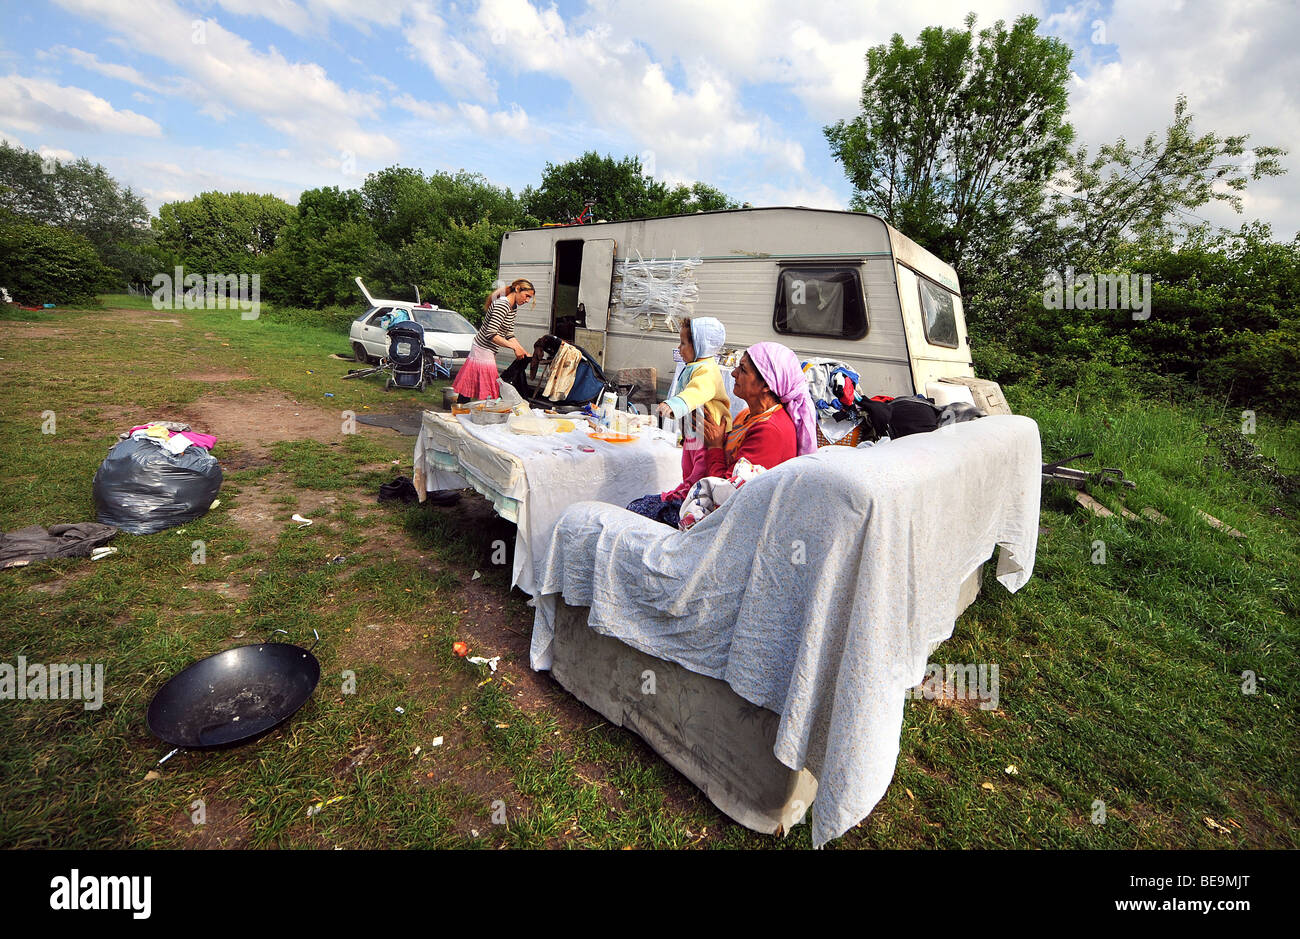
<point>45,264</point>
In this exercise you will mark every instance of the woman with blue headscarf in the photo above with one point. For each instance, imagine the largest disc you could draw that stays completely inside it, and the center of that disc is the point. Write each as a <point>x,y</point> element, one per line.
<point>698,397</point>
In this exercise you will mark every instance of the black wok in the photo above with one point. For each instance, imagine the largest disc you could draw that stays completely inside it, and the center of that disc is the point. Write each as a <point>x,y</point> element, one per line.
<point>234,696</point>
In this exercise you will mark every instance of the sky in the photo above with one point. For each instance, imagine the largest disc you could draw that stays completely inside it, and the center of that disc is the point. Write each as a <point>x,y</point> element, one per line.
<point>178,97</point>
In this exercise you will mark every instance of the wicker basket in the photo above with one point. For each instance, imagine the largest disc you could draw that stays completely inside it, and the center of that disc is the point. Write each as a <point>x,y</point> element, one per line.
<point>851,439</point>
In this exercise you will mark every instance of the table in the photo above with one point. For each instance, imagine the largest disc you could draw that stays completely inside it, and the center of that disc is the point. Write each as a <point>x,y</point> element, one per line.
<point>531,480</point>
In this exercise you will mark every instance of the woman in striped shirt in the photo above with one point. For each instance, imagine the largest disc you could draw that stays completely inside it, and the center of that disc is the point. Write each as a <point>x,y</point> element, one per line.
<point>478,377</point>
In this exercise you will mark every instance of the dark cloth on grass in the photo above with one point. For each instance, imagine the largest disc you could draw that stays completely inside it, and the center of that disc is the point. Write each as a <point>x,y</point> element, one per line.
<point>36,543</point>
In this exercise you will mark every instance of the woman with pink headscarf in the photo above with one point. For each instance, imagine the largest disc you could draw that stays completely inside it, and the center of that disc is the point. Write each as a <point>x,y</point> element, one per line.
<point>778,424</point>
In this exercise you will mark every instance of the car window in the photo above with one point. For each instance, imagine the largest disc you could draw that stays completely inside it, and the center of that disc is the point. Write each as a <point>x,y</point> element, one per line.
<point>379,313</point>
<point>443,321</point>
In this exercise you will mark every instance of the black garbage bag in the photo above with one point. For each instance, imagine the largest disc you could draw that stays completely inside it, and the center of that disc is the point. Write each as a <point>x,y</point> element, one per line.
<point>142,489</point>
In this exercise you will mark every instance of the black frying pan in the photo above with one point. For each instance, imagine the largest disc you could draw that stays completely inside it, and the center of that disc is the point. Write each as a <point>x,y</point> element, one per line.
<point>233,696</point>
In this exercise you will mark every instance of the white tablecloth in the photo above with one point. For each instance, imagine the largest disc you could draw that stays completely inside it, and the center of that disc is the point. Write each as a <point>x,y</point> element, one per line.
<point>531,480</point>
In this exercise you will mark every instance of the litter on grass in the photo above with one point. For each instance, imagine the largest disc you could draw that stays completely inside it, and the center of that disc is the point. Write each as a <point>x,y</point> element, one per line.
<point>319,806</point>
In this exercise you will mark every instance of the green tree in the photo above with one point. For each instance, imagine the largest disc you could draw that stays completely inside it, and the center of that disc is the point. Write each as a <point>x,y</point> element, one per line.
<point>697,197</point>
<point>81,197</point>
<point>326,243</point>
<point>619,188</point>
<point>1146,195</point>
<point>404,204</point>
<point>47,264</point>
<point>220,232</point>
<point>459,270</point>
<point>958,133</point>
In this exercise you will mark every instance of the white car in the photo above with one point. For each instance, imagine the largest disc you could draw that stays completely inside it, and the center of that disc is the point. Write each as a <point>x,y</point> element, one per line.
<point>447,334</point>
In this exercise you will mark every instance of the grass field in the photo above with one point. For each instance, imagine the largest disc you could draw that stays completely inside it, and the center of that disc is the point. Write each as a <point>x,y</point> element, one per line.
<point>1121,682</point>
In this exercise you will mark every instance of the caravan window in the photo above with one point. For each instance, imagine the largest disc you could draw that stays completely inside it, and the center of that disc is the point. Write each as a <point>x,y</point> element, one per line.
<point>820,301</point>
<point>940,317</point>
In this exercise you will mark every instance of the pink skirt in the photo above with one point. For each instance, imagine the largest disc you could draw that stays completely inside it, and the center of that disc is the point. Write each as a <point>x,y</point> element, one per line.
<point>478,378</point>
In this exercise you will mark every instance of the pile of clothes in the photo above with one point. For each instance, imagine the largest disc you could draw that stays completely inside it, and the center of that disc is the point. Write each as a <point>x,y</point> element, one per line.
<point>833,387</point>
<point>841,406</point>
<point>171,436</point>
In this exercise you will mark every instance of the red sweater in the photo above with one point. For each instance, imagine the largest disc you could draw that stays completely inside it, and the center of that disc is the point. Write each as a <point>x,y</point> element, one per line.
<point>769,444</point>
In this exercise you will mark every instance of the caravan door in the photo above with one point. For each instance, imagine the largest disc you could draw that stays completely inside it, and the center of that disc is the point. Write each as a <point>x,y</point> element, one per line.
<point>594,287</point>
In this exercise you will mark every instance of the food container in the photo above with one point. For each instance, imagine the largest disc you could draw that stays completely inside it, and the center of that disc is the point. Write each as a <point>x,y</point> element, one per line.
<point>489,412</point>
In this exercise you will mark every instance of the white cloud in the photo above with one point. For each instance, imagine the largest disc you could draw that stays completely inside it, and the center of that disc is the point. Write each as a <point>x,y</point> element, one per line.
<point>314,16</point>
<point>229,77</point>
<point>35,104</point>
<point>457,69</point>
<point>817,50</point>
<point>466,117</point>
<point>284,13</point>
<point>1238,68</point>
<point>771,194</point>
<point>622,89</point>
<point>90,61</point>
<point>63,156</point>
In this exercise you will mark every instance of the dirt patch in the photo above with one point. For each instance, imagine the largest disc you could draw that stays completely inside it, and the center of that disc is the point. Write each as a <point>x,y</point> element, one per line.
<point>52,588</point>
<point>223,826</point>
<point>255,421</point>
<point>21,330</point>
<point>216,376</point>
<point>261,510</point>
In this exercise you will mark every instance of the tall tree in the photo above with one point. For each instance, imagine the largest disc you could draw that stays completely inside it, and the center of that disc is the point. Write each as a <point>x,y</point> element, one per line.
<point>326,243</point>
<point>958,133</point>
<point>404,204</point>
<point>1146,195</point>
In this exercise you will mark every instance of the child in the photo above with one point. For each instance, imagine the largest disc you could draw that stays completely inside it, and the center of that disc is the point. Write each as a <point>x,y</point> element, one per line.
<point>698,387</point>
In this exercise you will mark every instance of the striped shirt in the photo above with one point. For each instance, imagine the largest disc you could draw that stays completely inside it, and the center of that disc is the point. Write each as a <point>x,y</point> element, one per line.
<point>499,321</point>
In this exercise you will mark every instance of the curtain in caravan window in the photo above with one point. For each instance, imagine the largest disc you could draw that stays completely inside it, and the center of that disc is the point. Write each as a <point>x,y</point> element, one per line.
<point>940,317</point>
<point>813,305</point>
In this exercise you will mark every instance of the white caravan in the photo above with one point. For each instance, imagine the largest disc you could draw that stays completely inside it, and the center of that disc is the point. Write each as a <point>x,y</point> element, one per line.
<point>831,285</point>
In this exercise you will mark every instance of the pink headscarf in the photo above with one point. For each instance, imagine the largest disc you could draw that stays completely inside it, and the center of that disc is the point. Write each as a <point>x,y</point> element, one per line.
<point>779,367</point>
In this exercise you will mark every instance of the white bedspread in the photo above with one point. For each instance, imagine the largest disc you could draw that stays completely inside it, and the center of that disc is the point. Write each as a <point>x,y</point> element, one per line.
<point>818,591</point>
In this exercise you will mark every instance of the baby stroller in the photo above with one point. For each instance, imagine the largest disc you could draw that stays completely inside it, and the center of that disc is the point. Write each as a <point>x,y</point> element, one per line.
<point>408,363</point>
<point>406,355</point>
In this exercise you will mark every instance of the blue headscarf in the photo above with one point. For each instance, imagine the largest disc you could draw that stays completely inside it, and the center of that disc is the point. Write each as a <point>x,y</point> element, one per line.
<point>708,336</point>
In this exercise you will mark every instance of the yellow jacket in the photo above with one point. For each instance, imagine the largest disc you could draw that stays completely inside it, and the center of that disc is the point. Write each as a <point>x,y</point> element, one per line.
<point>700,386</point>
